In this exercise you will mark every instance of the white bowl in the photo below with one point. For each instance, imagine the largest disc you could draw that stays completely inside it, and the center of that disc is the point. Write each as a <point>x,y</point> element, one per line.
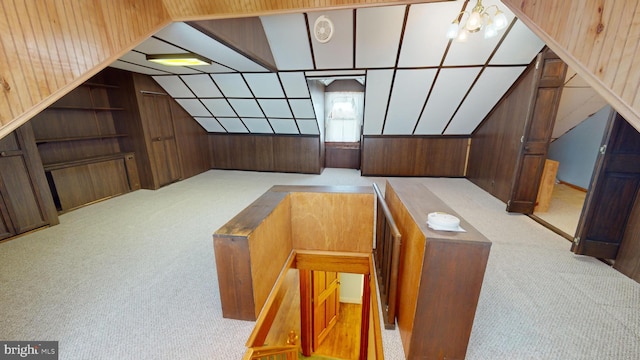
<point>443,221</point>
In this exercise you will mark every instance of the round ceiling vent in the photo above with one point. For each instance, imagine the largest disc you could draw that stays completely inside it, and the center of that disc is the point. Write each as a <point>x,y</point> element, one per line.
<point>323,29</point>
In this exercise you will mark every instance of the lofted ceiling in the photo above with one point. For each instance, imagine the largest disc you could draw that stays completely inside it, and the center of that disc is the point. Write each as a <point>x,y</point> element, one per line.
<point>417,82</point>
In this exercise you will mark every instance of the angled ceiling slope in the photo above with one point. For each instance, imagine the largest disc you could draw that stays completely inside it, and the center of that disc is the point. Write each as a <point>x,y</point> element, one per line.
<point>417,82</point>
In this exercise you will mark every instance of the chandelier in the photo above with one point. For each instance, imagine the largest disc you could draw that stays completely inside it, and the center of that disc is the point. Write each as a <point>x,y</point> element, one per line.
<point>479,18</point>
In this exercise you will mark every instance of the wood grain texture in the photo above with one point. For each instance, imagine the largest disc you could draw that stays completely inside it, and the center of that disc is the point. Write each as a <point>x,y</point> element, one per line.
<point>233,265</point>
<point>547,184</point>
<point>354,263</point>
<point>342,155</point>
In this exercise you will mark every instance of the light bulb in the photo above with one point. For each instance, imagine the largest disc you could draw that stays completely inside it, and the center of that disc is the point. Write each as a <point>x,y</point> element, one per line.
<point>490,30</point>
<point>463,36</point>
<point>474,23</point>
<point>452,33</point>
<point>500,20</point>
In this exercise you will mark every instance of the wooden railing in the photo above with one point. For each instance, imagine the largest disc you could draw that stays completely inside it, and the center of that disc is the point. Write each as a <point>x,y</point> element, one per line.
<point>387,259</point>
<point>288,352</point>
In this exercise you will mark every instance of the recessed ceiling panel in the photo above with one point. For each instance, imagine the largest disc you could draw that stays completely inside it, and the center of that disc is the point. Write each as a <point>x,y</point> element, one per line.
<point>141,59</point>
<point>378,32</point>
<point>233,125</point>
<point>246,107</point>
<point>284,126</point>
<point>195,41</point>
<point>265,85</point>
<point>519,47</point>
<point>135,68</point>
<point>202,85</point>
<point>308,127</point>
<point>295,84</point>
<point>341,41</point>
<point>219,107</point>
<point>476,50</point>
<point>275,108</point>
<point>232,85</point>
<point>289,41</point>
<point>410,89</point>
<point>491,86</point>
<point>258,126</point>
<point>302,108</point>
<point>210,124</point>
<point>174,86</point>
<point>376,98</point>
<point>451,86</point>
<point>194,107</point>
<point>424,42</point>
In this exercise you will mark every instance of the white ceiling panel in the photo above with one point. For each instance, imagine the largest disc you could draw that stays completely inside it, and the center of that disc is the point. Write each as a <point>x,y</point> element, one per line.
<point>476,50</point>
<point>232,85</point>
<point>451,86</point>
<point>424,42</point>
<point>233,125</point>
<point>141,59</point>
<point>210,124</point>
<point>302,108</point>
<point>259,126</point>
<point>265,85</point>
<point>295,84</point>
<point>194,107</point>
<point>341,43</point>
<point>219,107</point>
<point>199,43</point>
<point>410,89</point>
<point>202,85</point>
<point>491,85</point>
<point>287,36</point>
<point>135,68</point>
<point>308,127</point>
<point>519,47</point>
<point>376,98</point>
<point>284,126</point>
<point>275,108</point>
<point>576,105</point>
<point>174,86</point>
<point>378,32</point>
<point>156,46</point>
<point>246,107</point>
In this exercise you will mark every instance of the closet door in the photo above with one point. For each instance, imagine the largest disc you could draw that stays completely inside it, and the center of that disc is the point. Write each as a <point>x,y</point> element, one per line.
<point>612,192</point>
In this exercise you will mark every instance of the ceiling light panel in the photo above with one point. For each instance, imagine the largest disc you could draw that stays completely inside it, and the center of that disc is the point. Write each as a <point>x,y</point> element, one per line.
<point>258,126</point>
<point>489,88</point>
<point>232,85</point>
<point>219,107</point>
<point>174,86</point>
<point>410,89</point>
<point>423,44</point>
<point>265,85</point>
<point>378,32</point>
<point>308,127</point>
<point>302,108</point>
<point>210,124</point>
<point>233,125</point>
<point>246,107</point>
<point>141,59</point>
<point>519,47</point>
<point>340,43</point>
<point>195,41</point>
<point>276,108</point>
<point>448,91</point>
<point>289,42</point>
<point>136,68</point>
<point>295,84</point>
<point>284,126</point>
<point>376,98</point>
<point>201,85</point>
<point>194,107</point>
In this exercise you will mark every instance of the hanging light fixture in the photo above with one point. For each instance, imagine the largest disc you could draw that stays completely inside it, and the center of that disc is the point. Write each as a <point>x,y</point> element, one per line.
<point>479,18</point>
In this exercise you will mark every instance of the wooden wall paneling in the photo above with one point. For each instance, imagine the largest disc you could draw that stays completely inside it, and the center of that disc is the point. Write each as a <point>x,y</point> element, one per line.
<point>235,284</point>
<point>108,178</point>
<point>342,155</point>
<point>192,142</point>
<point>74,186</point>
<point>332,221</point>
<point>300,154</point>
<point>628,258</point>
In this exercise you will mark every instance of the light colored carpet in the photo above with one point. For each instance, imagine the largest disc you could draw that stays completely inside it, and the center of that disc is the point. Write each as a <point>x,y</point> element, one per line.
<point>565,208</point>
<point>134,277</point>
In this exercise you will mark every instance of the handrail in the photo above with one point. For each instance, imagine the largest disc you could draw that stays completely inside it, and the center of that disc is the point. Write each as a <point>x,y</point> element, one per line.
<point>287,352</point>
<point>387,259</point>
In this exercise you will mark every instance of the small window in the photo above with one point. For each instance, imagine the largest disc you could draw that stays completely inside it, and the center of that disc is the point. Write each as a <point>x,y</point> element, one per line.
<point>343,116</point>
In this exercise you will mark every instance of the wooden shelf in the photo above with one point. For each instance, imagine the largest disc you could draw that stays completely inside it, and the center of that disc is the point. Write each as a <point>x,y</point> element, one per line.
<point>89,160</point>
<point>80,138</point>
<point>90,108</point>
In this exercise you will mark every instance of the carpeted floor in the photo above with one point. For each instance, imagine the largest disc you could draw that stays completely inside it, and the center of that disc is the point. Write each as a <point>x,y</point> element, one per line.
<point>134,277</point>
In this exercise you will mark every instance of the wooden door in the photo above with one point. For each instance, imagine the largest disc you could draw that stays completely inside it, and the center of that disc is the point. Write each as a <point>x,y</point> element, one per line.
<point>326,304</point>
<point>550,73</point>
<point>17,188</point>
<point>612,192</point>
